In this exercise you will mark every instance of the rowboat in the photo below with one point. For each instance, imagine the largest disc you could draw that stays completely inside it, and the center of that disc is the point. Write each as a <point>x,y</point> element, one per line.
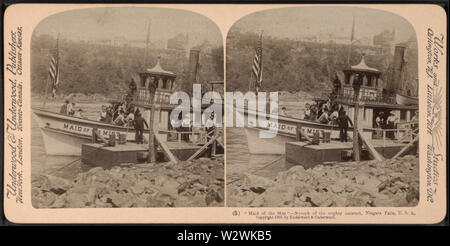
<point>406,100</point>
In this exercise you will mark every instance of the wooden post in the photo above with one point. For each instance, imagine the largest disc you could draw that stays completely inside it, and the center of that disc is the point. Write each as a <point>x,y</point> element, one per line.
<point>203,148</point>
<point>94,135</point>
<point>166,149</point>
<point>370,147</point>
<point>356,149</point>
<point>46,88</point>
<point>298,135</point>
<point>404,149</point>
<point>303,133</point>
<point>151,135</point>
<point>213,147</point>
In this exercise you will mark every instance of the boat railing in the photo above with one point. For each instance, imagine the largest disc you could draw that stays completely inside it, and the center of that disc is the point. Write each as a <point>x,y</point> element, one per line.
<point>202,135</point>
<point>404,132</point>
<point>144,96</point>
<point>349,98</point>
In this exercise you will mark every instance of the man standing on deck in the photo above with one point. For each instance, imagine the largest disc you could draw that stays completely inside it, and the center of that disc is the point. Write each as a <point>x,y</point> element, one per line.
<point>283,111</point>
<point>390,122</point>
<point>379,121</point>
<point>70,109</point>
<point>210,124</point>
<point>139,123</point>
<point>210,127</point>
<point>64,108</point>
<point>343,121</point>
<point>307,112</point>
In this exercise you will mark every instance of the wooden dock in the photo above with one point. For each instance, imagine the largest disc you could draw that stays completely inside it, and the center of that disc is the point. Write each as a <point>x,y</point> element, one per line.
<point>97,154</point>
<point>308,155</point>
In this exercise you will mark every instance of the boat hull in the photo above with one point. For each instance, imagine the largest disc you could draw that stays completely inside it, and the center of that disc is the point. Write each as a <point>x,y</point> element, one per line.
<point>269,146</point>
<point>287,132</point>
<point>64,135</point>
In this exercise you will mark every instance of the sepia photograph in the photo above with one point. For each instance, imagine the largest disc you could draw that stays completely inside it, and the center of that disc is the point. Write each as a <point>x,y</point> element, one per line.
<point>216,114</point>
<point>346,119</point>
<point>102,134</point>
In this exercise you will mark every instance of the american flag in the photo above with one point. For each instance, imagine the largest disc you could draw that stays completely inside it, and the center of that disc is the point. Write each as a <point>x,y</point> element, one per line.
<point>257,67</point>
<point>54,69</point>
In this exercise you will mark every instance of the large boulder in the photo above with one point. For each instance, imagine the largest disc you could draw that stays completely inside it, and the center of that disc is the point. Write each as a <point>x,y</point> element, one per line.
<point>254,182</point>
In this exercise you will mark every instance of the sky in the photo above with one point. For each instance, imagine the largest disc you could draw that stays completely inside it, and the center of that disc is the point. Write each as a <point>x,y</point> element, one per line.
<point>132,23</point>
<point>298,22</point>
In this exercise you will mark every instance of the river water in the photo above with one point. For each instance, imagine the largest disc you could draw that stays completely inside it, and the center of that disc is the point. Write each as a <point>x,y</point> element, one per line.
<point>61,166</point>
<point>239,160</point>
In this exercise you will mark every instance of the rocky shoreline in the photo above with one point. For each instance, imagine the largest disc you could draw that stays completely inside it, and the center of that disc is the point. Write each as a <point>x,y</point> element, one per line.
<point>389,183</point>
<point>198,183</point>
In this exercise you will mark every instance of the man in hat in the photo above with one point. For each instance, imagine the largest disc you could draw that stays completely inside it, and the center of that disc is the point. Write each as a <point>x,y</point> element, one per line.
<point>103,114</point>
<point>70,108</point>
<point>379,120</point>
<point>139,123</point>
<point>390,124</point>
<point>307,112</point>
<point>283,111</point>
<point>343,120</point>
<point>64,107</point>
<point>380,124</point>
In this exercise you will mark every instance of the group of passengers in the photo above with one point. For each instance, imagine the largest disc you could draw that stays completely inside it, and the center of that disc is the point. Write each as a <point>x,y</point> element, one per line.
<point>323,112</point>
<point>124,114</point>
<point>120,114</point>
<point>329,113</point>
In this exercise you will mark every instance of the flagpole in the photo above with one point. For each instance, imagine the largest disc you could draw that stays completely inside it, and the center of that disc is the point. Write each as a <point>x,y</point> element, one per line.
<point>250,85</point>
<point>258,78</point>
<point>46,86</point>
<point>261,63</point>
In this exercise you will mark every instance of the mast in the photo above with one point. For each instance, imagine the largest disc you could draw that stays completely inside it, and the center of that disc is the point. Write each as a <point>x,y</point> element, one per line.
<point>147,43</point>
<point>351,41</point>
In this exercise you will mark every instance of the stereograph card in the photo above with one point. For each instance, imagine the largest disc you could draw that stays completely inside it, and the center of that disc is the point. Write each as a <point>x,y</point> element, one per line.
<point>209,113</point>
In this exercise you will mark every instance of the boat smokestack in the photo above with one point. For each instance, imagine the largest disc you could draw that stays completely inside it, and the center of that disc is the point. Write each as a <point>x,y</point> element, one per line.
<point>397,68</point>
<point>193,65</point>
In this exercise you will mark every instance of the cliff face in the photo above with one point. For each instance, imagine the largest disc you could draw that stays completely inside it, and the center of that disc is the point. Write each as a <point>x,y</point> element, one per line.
<point>290,65</point>
<point>105,69</point>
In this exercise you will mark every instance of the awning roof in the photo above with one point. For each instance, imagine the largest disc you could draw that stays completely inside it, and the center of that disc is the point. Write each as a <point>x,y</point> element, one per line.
<point>157,70</point>
<point>362,67</point>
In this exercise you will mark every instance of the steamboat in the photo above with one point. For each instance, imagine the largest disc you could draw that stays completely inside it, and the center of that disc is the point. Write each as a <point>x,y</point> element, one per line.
<point>64,134</point>
<point>373,100</point>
